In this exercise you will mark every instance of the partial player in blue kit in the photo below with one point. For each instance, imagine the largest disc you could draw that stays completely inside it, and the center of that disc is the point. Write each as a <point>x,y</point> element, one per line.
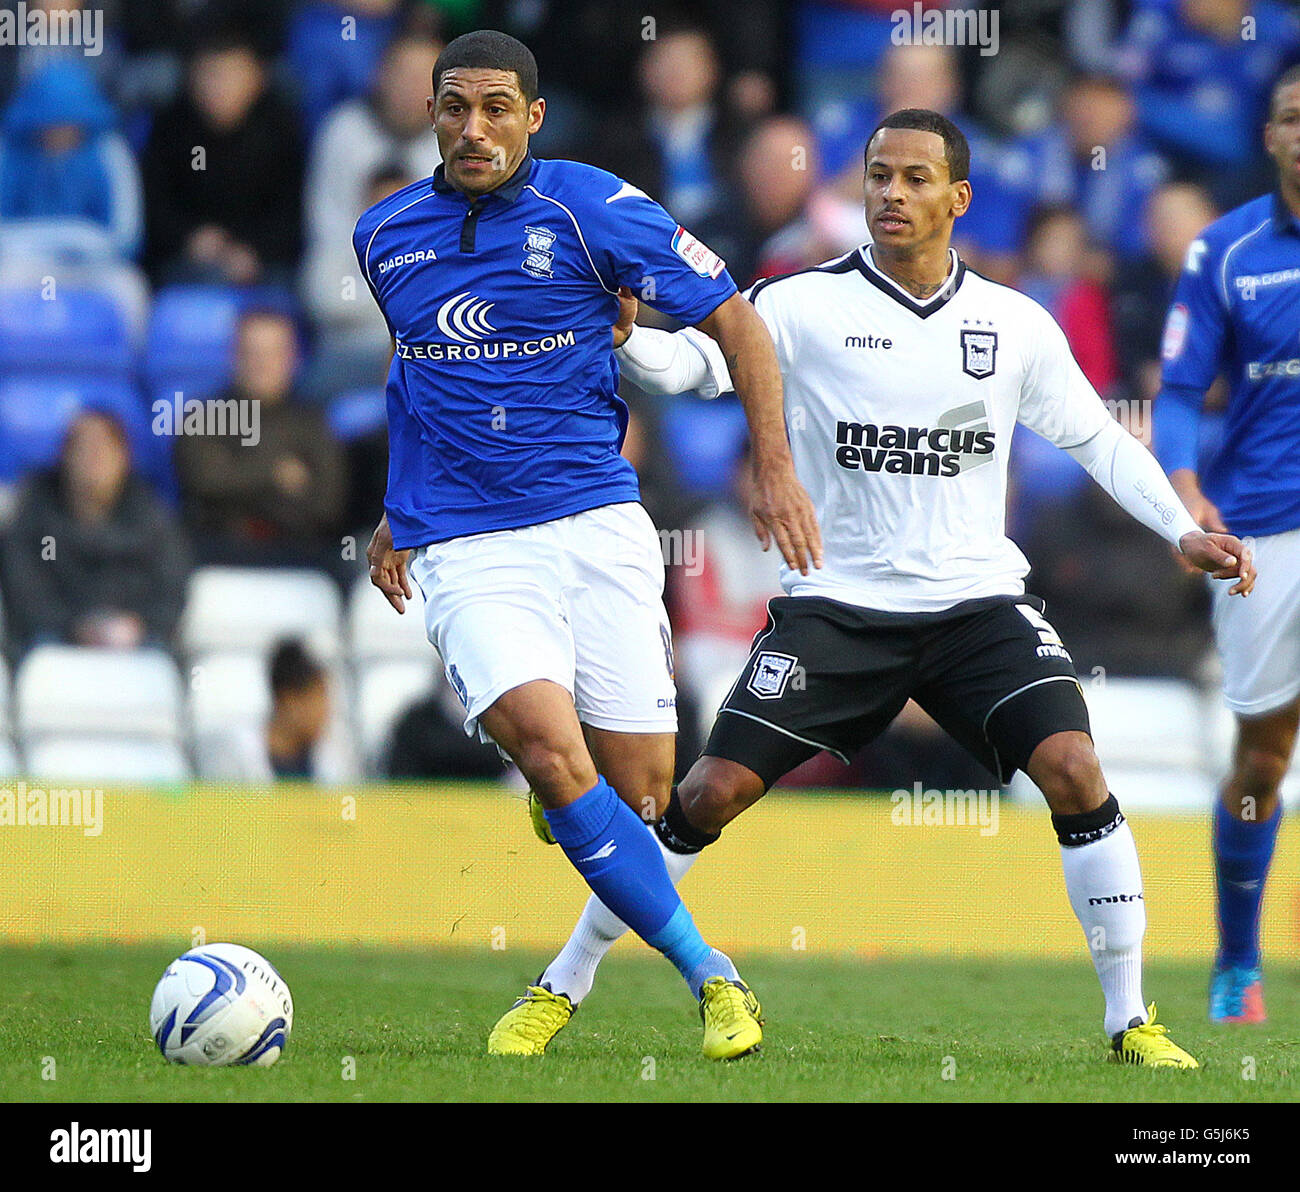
<point>510,503</point>
<point>1236,311</point>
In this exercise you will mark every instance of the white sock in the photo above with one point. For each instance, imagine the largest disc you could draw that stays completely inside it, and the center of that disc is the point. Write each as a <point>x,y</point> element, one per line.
<point>1102,878</point>
<point>573,971</point>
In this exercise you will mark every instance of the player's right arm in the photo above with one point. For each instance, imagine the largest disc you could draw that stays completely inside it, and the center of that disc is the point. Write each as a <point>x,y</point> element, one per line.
<point>1191,354</point>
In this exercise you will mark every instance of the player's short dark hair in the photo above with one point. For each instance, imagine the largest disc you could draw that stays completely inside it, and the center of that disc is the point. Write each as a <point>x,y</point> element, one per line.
<point>292,668</point>
<point>492,50</point>
<point>956,152</point>
<point>1287,78</point>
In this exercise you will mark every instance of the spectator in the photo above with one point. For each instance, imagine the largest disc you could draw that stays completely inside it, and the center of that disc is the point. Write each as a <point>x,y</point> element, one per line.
<point>1096,161</point>
<point>64,165</point>
<point>294,742</point>
<point>1176,215</point>
<point>223,173</point>
<point>352,343</point>
<point>274,496</point>
<point>680,145</point>
<point>385,135</point>
<point>333,61</point>
<point>429,741</point>
<point>1202,86</point>
<point>925,76</point>
<point>778,169</point>
<point>719,595</point>
<point>1057,274</point>
<point>1118,598</point>
<point>92,556</point>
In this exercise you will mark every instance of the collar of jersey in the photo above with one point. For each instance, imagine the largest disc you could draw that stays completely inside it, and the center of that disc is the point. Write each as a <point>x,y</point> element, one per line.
<point>922,309</point>
<point>1283,219</point>
<point>507,192</point>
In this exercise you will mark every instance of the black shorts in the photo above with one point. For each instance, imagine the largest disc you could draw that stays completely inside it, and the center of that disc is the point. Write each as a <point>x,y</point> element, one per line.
<point>825,675</point>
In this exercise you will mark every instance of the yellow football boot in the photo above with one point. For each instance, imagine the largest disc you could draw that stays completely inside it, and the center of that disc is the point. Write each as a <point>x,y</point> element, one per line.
<point>531,1023</point>
<point>1149,1044</point>
<point>732,1017</point>
<point>538,816</point>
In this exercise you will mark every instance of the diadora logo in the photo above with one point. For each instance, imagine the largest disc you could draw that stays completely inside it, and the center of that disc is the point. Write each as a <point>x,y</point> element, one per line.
<point>464,318</point>
<point>408,258</point>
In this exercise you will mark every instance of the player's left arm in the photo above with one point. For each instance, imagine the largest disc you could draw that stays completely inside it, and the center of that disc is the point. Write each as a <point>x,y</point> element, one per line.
<point>1059,403</point>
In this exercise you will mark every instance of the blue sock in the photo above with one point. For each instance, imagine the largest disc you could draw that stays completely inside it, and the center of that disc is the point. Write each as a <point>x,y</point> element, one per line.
<point>616,854</point>
<point>1243,851</point>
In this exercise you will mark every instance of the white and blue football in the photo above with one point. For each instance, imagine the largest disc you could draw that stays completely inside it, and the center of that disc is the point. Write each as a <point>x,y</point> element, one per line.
<point>221,1004</point>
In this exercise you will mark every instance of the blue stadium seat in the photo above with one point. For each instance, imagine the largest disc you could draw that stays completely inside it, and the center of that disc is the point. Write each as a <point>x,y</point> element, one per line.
<point>75,331</point>
<point>703,439</point>
<point>357,412</point>
<point>35,413</point>
<point>328,69</point>
<point>191,338</point>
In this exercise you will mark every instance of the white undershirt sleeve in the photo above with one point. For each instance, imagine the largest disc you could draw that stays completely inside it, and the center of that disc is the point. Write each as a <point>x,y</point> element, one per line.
<point>1130,473</point>
<point>686,361</point>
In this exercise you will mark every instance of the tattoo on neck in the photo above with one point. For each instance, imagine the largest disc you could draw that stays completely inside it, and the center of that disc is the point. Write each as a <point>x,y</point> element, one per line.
<point>925,289</point>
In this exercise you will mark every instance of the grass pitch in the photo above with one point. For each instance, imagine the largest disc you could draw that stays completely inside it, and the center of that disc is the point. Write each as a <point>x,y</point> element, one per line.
<point>411,1026</point>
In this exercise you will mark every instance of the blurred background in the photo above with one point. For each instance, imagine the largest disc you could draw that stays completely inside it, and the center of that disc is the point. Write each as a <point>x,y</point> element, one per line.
<point>175,225</point>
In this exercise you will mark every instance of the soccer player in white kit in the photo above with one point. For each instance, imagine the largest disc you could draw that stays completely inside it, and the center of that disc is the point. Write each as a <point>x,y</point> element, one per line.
<point>905,374</point>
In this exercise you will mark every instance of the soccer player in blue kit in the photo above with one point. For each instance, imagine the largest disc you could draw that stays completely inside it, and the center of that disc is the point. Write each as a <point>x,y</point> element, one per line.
<point>1236,311</point>
<point>508,501</point>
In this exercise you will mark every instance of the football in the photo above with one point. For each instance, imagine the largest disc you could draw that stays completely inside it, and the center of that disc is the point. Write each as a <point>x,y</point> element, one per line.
<point>221,1004</point>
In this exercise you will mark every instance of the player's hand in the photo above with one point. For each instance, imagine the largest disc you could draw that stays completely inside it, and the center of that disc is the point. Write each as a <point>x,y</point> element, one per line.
<point>388,566</point>
<point>781,510</point>
<point>627,308</point>
<point>1223,556</point>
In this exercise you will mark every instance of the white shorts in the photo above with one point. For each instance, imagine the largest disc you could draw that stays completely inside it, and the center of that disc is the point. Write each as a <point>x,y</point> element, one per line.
<point>1259,637</point>
<point>578,600</point>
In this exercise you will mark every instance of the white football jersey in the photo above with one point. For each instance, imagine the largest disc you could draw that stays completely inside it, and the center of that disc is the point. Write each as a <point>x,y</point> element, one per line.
<point>900,414</point>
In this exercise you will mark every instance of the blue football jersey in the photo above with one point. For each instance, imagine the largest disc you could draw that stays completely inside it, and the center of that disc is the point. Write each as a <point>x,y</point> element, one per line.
<point>1236,310</point>
<point>503,406</point>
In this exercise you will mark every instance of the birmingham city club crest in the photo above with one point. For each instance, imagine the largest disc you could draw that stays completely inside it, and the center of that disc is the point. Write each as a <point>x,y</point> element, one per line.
<point>979,353</point>
<point>538,257</point>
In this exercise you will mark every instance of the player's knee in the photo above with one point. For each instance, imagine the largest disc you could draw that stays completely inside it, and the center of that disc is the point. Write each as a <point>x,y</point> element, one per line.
<point>711,798</point>
<point>1259,772</point>
<point>551,770</point>
<point>1067,771</point>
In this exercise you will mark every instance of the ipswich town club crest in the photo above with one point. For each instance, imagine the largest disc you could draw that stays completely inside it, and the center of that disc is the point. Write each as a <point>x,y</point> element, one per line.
<point>770,675</point>
<point>979,350</point>
<point>538,257</point>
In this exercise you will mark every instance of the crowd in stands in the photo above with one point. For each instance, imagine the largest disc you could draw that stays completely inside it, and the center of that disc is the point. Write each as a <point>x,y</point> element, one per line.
<point>175,240</point>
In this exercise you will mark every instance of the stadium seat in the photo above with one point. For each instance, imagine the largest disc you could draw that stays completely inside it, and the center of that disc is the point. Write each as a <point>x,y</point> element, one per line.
<point>35,413</point>
<point>385,689</point>
<point>190,340</point>
<point>89,758</point>
<point>75,331</point>
<point>376,631</point>
<point>358,412</point>
<point>10,763</point>
<point>1146,722</point>
<point>79,690</point>
<point>703,439</point>
<point>239,609</point>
